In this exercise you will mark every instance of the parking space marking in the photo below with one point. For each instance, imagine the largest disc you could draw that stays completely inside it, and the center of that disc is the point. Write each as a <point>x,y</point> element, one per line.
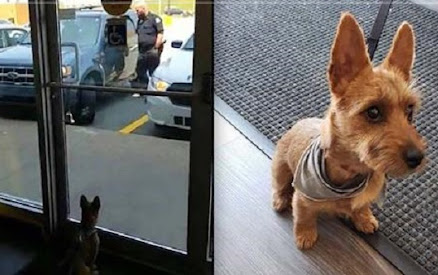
<point>131,127</point>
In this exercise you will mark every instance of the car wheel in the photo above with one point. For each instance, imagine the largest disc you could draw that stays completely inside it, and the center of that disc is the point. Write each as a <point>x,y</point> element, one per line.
<point>85,109</point>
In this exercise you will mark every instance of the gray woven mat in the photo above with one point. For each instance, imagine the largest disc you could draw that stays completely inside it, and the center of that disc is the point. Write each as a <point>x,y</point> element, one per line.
<point>270,64</point>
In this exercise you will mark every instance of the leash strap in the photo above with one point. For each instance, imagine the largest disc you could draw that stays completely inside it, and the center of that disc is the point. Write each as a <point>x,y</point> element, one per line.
<point>379,24</point>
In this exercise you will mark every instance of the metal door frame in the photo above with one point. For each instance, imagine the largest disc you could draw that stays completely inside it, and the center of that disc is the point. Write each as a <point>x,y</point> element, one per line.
<point>53,159</point>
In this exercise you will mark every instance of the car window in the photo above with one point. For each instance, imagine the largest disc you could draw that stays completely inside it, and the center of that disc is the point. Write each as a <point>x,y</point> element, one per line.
<point>11,37</point>
<point>82,30</point>
<point>190,43</point>
<point>14,36</point>
<point>27,39</point>
<point>2,39</point>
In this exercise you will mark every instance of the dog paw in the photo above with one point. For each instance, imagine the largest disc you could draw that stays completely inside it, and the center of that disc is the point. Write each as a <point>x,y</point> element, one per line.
<point>306,239</point>
<point>281,203</point>
<point>367,225</point>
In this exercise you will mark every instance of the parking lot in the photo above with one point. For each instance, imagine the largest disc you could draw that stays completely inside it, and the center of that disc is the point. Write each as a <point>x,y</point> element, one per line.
<point>139,170</point>
<point>127,113</point>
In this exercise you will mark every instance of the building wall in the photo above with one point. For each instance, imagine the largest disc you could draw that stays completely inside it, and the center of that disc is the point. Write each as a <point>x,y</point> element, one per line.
<point>18,13</point>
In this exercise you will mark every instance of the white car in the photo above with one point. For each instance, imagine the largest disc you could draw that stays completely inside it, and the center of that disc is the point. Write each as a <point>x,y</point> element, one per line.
<point>4,22</point>
<point>173,74</point>
<point>11,35</point>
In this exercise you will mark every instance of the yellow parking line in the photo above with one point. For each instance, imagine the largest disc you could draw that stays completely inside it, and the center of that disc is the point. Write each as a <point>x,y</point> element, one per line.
<point>131,127</point>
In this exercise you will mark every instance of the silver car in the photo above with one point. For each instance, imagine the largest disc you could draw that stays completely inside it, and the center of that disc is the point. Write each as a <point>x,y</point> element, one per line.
<point>174,74</point>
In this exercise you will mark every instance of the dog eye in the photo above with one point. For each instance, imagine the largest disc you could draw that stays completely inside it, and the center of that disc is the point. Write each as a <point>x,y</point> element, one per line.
<point>410,112</point>
<point>374,114</point>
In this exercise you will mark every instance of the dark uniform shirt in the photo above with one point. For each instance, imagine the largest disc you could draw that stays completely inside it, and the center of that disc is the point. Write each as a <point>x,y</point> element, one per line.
<point>147,30</point>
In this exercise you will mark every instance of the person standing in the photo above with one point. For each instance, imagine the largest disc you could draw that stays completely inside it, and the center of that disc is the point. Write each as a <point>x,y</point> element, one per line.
<point>150,42</point>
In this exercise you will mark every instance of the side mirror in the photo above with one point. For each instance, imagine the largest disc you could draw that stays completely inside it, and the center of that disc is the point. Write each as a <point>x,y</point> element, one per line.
<point>176,44</point>
<point>70,62</point>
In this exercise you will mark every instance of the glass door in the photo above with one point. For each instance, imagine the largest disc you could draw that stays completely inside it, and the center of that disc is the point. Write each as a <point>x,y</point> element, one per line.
<point>130,149</point>
<point>20,170</point>
<point>129,119</point>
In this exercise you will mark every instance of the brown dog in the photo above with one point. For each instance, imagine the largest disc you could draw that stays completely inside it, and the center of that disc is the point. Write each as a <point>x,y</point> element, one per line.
<point>70,251</point>
<point>338,165</point>
<point>88,241</point>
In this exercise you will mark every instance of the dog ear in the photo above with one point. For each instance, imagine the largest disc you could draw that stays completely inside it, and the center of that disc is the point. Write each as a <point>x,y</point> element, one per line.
<point>402,53</point>
<point>96,203</point>
<point>84,201</point>
<point>349,55</point>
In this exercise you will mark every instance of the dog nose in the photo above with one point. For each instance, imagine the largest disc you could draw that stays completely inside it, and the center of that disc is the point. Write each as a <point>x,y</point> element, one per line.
<point>413,157</point>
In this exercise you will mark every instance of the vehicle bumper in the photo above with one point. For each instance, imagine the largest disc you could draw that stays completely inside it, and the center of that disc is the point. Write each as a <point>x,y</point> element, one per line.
<point>17,94</point>
<point>163,112</point>
<point>24,95</point>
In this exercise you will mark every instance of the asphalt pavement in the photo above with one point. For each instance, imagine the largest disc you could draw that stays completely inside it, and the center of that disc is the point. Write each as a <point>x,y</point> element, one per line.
<point>141,177</point>
<point>118,112</point>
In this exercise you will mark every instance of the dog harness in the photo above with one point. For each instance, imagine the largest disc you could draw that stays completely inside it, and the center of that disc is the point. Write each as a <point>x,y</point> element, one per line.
<point>311,180</point>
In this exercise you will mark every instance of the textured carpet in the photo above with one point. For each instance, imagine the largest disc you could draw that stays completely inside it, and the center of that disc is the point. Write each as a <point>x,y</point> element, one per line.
<point>270,64</point>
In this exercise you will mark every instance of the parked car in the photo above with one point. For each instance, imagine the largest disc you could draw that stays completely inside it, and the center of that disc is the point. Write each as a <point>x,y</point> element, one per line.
<point>86,59</point>
<point>173,74</point>
<point>173,11</point>
<point>11,36</point>
<point>5,22</point>
<point>26,26</point>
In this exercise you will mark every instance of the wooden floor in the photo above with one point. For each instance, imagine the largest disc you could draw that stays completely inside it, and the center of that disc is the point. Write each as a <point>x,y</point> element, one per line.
<point>250,238</point>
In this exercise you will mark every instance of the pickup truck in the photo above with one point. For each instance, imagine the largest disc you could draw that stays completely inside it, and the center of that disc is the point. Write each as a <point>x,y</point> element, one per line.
<point>86,60</point>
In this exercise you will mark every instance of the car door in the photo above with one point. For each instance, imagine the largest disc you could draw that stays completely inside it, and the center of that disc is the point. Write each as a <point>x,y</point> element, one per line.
<point>120,61</point>
<point>132,54</point>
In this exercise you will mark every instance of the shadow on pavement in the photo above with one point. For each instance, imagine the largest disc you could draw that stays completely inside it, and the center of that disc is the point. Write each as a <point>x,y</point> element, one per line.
<point>18,112</point>
<point>151,129</point>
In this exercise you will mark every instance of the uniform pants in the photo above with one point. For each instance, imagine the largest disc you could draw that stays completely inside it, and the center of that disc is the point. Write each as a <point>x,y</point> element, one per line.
<point>146,64</point>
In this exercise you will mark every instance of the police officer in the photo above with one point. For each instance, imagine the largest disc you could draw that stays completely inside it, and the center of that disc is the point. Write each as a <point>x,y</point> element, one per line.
<point>150,42</point>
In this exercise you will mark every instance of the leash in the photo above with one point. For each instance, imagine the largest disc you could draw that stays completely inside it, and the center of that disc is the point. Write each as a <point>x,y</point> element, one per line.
<point>379,24</point>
